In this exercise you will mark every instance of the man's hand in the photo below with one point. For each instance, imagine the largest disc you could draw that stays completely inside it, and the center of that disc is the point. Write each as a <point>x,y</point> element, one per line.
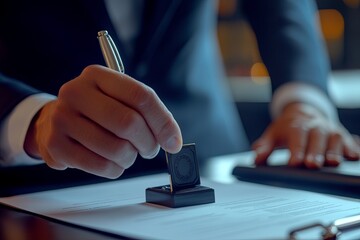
<point>100,122</point>
<point>313,140</point>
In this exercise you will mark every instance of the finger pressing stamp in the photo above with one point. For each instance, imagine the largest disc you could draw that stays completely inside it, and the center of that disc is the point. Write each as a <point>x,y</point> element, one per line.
<point>184,189</point>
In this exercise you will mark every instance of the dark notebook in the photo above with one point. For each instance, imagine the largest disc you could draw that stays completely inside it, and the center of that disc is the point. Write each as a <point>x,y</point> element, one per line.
<point>343,180</point>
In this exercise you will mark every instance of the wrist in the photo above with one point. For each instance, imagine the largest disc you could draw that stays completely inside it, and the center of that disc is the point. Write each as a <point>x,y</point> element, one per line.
<point>30,145</point>
<point>300,110</point>
<point>300,93</point>
<point>33,135</point>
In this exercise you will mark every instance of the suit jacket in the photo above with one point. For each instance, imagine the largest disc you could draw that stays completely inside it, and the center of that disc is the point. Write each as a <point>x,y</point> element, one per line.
<point>46,43</point>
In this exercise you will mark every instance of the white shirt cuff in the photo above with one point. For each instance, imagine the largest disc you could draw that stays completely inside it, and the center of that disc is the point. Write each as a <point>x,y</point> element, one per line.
<point>301,92</point>
<point>14,128</point>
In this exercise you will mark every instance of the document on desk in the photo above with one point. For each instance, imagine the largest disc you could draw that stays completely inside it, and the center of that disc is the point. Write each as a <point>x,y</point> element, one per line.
<point>241,211</point>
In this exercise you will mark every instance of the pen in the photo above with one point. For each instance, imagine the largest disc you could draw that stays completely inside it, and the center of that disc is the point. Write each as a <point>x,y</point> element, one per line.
<point>332,231</point>
<point>110,52</point>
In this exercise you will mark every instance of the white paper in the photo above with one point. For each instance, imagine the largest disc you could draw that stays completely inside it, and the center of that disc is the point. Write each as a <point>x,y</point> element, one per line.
<point>241,211</point>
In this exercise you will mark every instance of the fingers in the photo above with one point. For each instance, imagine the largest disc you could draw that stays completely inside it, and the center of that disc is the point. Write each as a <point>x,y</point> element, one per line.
<point>102,142</point>
<point>263,147</point>
<point>74,155</point>
<point>321,147</point>
<point>70,140</point>
<point>101,121</point>
<point>297,145</point>
<point>313,140</point>
<point>316,146</point>
<point>121,122</point>
<point>144,101</point>
<point>351,147</point>
<point>333,154</point>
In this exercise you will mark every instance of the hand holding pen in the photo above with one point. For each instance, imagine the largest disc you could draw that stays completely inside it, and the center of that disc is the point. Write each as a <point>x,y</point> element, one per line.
<point>102,120</point>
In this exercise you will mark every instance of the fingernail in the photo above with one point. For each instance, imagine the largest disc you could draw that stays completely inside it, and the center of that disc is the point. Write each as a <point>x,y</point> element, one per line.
<point>299,156</point>
<point>153,154</point>
<point>333,157</point>
<point>173,144</point>
<point>317,160</point>
<point>352,154</point>
<point>298,159</point>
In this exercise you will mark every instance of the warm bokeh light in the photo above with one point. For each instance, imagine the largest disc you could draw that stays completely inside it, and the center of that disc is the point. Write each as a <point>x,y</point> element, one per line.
<point>227,7</point>
<point>332,23</point>
<point>338,22</point>
<point>352,3</point>
<point>259,72</point>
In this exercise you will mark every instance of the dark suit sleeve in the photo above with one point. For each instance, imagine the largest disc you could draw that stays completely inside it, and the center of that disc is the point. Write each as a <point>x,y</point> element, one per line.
<point>12,92</point>
<point>289,41</point>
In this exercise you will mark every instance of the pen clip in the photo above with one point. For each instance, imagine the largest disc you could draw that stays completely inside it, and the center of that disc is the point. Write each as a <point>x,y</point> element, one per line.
<point>332,231</point>
<point>347,223</point>
<point>110,52</point>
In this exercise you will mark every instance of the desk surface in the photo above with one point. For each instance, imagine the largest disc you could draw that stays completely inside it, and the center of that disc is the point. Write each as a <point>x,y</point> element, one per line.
<point>16,224</point>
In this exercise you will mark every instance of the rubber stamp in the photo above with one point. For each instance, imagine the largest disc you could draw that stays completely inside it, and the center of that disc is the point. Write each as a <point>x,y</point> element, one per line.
<point>185,188</point>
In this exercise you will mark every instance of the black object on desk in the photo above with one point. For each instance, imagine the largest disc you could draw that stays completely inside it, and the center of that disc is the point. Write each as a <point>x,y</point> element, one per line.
<point>343,180</point>
<point>196,195</point>
<point>184,189</point>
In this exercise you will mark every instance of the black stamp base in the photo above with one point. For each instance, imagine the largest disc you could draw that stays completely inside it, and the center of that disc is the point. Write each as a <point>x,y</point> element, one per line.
<point>196,195</point>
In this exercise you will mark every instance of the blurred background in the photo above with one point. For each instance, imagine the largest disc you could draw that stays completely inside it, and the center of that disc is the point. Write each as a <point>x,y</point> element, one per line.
<point>248,77</point>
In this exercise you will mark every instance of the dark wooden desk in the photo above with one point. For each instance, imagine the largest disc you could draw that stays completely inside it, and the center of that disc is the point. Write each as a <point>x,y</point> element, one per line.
<point>18,225</point>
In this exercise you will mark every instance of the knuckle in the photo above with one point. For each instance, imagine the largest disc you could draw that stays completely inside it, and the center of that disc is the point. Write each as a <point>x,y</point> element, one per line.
<point>143,95</point>
<point>128,160</point>
<point>116,149</point>
<point>129,123</point>
<point>104,167</point>
<point>166,129</point>
<point>51,154</point>
<point>122,153</point>
<point>108,169</point>
<point>90,70</point>
<point>336,136</point>
<point>65,90</point>
<point>68,91</point>
<point>298,126</point>
<point>318,131</point>
<point>74,88</point>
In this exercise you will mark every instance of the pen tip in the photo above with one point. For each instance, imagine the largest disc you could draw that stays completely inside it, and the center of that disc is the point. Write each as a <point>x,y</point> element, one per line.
<point>102,33</point>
